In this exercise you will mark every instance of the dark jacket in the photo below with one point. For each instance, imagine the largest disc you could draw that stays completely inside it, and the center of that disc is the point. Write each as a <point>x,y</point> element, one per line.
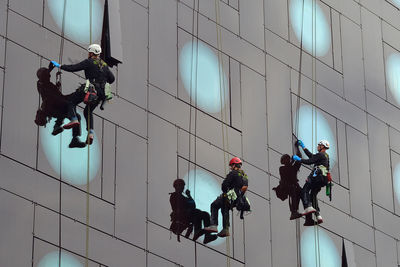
<point>288,173</point>
<point>234,180</point>
<point>54,103</point>
<point>317,159</point>
<point>96,70</point>
<point>181,206</point>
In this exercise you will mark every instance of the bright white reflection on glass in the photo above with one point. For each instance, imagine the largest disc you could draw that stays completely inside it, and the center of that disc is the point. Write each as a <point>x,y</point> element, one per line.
<point>396,182</point>
<point>396,2</point>
<point>52,259</point>
<point>318,249</point>
<point>77,18</point>
<point>73,160</point>
<point>393,75</point>
<point>313,127</point>
<point>315,34</point>
<point>204,189</point>
<point>201,74</point>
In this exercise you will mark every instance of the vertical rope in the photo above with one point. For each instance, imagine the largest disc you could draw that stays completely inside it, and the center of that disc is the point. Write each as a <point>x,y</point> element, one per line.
<point>58,80</point>
<point>88,154</point>
<point>223,114</point>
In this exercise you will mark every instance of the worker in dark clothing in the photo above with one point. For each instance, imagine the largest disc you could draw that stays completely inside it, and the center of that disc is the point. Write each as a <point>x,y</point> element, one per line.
<point>289,184</point>
<point>184,213</point>
<point>55,105</point>
<point>97,74</point>
<point>233,187</point>
<point>315,181</point>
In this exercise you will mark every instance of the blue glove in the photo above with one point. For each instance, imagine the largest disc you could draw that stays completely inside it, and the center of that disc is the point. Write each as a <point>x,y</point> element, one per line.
<point>296,158</point>
<point>300,143</point>
<point>55,63</point>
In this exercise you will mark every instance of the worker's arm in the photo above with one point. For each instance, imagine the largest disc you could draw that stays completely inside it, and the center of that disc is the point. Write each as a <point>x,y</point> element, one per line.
<point>76,67</point>
<point>110,76</point>
<point>308,153</point>
<point>312,160</point>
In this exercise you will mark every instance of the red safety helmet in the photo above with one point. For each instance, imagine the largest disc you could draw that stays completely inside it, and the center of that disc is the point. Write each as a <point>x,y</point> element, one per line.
<point>235,160</point>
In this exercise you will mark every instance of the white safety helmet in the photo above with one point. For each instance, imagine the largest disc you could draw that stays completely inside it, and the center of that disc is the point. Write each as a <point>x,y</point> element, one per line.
<point>95,49</point>
<point>324,143</point>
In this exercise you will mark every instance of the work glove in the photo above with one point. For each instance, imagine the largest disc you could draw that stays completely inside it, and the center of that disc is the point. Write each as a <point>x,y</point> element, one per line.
<point>55,63</point>
<point>296,158</point>
<point>300,143</point>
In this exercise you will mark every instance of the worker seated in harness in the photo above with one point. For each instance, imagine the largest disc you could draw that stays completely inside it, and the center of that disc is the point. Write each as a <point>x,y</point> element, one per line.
<point>233,188</point>
<point>185,215</point>
<point>317,179</point>
<point>98,78</point>
<point>289,184</point>
<point>56,105</point>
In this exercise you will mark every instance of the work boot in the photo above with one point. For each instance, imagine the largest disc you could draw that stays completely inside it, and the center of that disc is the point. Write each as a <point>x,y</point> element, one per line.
<point>57,130</point>
<point>75,142</point>
<point>209,238</point>
<point>319,219</point>
<point>211,229</point>
<point>90,138</point>
<point>309,210</point>
<point>197,234</point>
<point>224,233</point>
<point>295,215</point>
<point>71,124</point>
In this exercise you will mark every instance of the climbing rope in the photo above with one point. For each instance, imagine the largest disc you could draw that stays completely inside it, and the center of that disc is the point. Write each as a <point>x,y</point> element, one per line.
<point>88,154</point>
<point>58,82</point>
<point>223,113</point>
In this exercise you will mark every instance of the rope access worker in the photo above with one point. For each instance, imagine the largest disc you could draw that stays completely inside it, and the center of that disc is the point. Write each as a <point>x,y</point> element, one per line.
<point>289,184</point>
<point>56,105</point>
<point>317,179</point>
<point>97,76</point>
<point>184,213</point>
<point>233,187</point>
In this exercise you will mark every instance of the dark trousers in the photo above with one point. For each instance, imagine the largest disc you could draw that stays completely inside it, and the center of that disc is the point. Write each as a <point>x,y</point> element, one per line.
<point>76,131</point>
<point>294,197</point>
<point>76,98</point>
<point>220,203</point>
<point>310,190</point>
<point>198,217</point>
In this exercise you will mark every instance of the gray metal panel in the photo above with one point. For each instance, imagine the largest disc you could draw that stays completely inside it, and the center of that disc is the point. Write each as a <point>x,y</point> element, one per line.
<point>228,16</point>
<point>390,35</point>
<point>46,224</point>
<point>32,9</point>
<point>16,228</point>
<point>3,17</point>
<point>115,18</point>
<point>258,247</point>
<point>342,154</point>
<point>381,179</point>
<point>254,130</point>
<point>132,74</point>
<point>276,17</point>
<point>236,94</point>
<point>386,221</point>
<point>383,110</point>
<point>19,141</point>
<point>364,257</point>
<point>252,22</point>
<point>131,174</point>
<point>329,78</point>
<point>336,41</point>
<point>386,250</point>
<point>258,180</point>
<point>282,230</point>
<point>162,47</point>
<point>108,165</point>
<point>154,261</point>
<point>162,243</point>
<point>2,51</point>
<point>353,71</point>
<point>350,9</point>
<point>373,51</point>
<point>360,183</point>
<point>279,106</point>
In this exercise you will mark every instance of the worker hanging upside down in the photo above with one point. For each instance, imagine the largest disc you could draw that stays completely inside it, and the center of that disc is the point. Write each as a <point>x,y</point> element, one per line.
<point>288,185</point>
<point>233,188</point>
<point>317,179</point>
<point>185,215</point>
<point>93,92</point>
<point>56,105</point>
